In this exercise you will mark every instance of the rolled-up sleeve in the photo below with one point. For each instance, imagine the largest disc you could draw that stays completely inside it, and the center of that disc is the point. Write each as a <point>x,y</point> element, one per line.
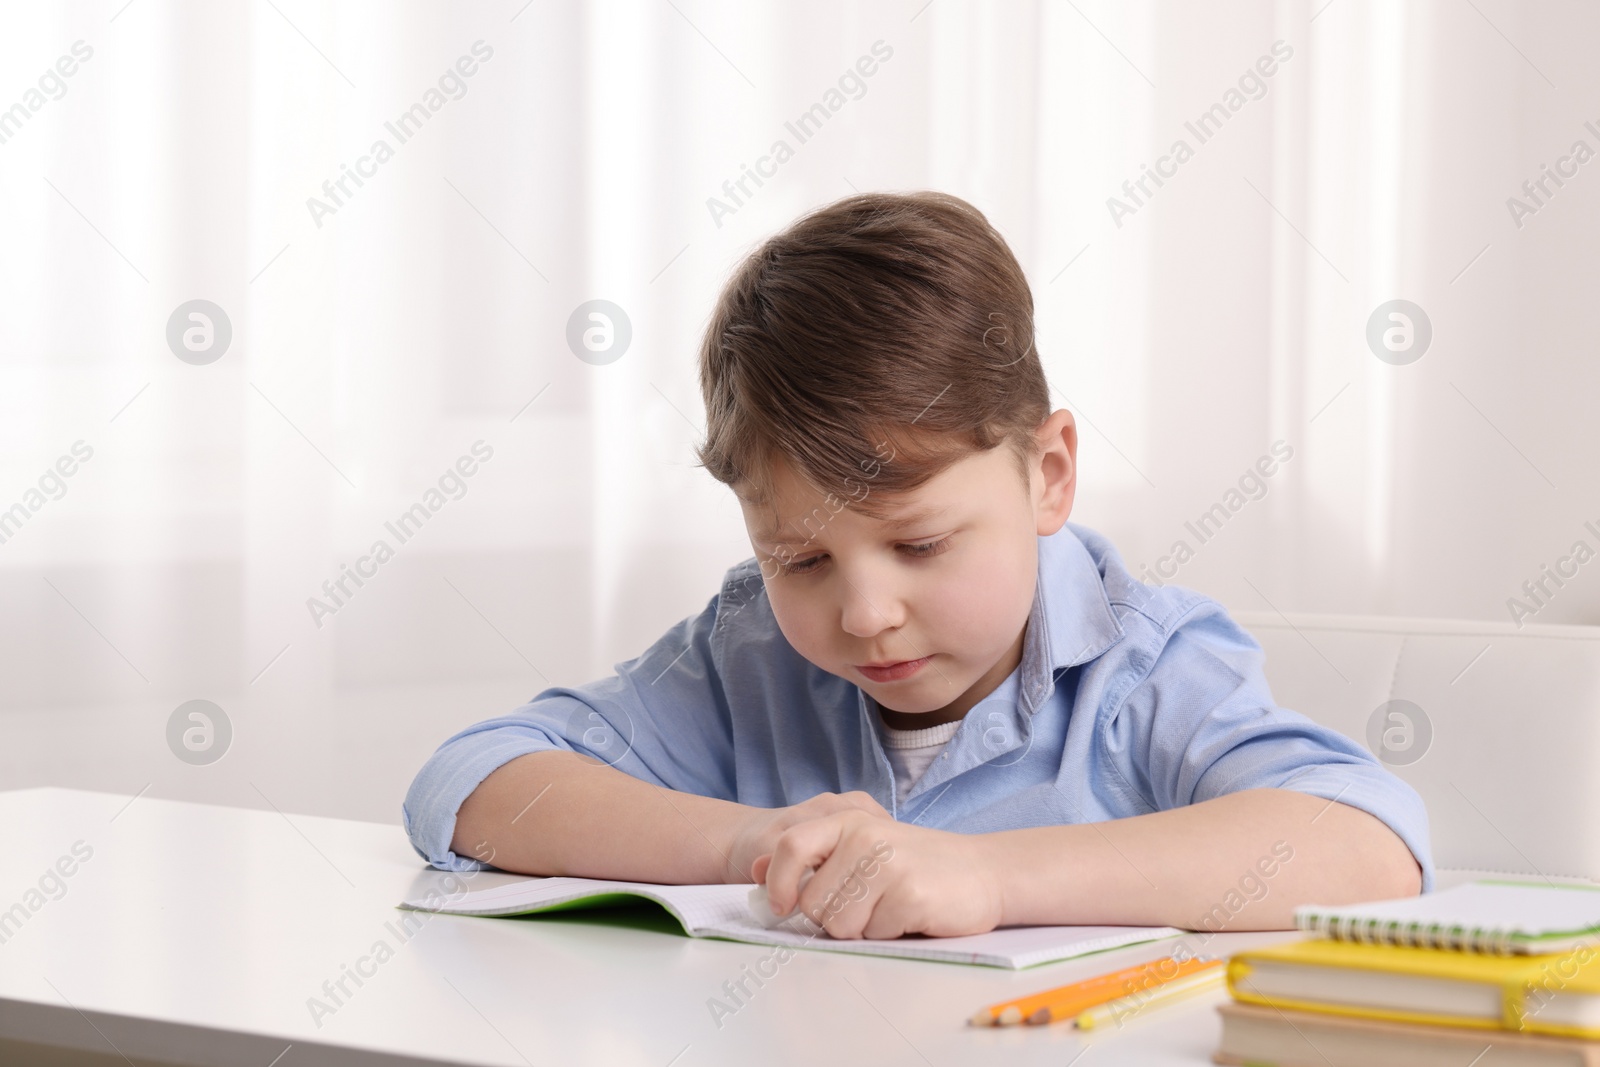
<point>662,718</point>
<point>1202,724</point>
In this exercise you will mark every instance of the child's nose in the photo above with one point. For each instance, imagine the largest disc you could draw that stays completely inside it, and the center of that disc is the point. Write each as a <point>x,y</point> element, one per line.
<point>870,608</point>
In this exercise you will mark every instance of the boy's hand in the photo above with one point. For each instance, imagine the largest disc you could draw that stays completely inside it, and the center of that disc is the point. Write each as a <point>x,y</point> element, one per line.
<point>761,830</point>
<point>881,879</point>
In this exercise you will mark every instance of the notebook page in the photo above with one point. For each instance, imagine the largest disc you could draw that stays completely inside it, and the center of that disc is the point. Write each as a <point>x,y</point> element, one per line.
<point>724,911</point>
<point>1013,946</point>
<point>1519,909</point>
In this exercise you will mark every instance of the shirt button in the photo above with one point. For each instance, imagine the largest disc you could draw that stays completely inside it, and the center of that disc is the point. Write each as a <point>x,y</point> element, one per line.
<point>945,756</point>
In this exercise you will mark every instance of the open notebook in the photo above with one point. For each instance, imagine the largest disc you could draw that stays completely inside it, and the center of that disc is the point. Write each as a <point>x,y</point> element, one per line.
<point>723,911</point>
<point>1492,915</point>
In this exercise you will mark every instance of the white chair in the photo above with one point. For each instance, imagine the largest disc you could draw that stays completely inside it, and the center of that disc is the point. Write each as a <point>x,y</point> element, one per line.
<point>1505,748</point>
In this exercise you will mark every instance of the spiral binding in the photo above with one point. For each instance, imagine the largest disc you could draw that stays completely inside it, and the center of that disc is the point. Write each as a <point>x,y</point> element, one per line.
<point>1486,940</point>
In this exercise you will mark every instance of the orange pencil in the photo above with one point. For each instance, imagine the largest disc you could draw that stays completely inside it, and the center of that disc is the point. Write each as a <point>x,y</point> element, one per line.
<point>1068,1001</point>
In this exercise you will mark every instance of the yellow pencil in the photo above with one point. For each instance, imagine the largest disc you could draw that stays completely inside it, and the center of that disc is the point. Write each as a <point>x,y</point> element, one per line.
<point>1123,1007</point>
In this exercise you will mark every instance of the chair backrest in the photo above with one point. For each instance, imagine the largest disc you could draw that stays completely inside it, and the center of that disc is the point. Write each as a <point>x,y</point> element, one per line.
<point>1498,728</point>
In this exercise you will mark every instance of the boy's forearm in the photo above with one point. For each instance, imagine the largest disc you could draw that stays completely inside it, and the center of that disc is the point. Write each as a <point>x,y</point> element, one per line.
<point>556,813</point>
<point>1239,862</point>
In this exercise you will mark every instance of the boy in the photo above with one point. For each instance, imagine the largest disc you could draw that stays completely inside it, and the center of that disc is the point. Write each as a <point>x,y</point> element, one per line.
<point>924,662</point>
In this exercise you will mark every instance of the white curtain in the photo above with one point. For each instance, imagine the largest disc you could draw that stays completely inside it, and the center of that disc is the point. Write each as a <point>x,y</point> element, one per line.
<point>383,330</point>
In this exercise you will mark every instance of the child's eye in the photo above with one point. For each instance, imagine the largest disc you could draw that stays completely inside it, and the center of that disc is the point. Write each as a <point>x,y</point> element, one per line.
<point>929,548</point>
<point>925,550</point>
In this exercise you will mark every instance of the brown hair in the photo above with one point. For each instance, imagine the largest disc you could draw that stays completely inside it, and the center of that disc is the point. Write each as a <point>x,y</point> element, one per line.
<point>873,343</point>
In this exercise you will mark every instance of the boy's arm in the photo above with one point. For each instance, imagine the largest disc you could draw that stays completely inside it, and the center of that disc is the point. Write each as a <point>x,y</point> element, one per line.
<point>560,813</point>
<point>612,778</point>
<point>1242,861</point>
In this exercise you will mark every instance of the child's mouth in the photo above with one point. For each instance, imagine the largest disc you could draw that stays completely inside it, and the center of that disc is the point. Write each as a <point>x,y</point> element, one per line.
<point>894,672</point>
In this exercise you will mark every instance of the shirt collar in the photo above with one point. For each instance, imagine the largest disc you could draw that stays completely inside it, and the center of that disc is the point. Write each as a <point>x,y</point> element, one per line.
<point>1071,621</point>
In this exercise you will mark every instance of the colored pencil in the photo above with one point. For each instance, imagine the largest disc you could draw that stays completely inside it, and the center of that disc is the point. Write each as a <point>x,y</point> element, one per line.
<point>1069,1001</point>
<point>1116,1011</point>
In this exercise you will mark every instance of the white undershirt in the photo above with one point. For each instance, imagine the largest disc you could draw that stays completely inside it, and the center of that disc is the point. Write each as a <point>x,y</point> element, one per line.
<point>910,752</point>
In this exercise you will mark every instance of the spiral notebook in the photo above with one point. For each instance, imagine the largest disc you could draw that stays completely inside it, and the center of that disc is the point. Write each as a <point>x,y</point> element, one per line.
<point>1493,916</point>
<point>723,911</point>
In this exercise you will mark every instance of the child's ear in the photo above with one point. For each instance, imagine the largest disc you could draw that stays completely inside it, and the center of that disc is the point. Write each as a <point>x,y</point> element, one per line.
<point>1055,471</point>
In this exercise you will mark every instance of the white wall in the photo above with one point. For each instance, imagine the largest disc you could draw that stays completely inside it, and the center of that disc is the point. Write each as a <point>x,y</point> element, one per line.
<point>370,352</point>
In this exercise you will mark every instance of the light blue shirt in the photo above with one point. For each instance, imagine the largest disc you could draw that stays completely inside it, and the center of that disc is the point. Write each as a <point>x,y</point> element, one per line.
<point>1129,699</point>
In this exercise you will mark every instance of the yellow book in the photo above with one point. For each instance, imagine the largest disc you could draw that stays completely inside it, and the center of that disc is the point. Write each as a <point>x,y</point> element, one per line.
<point>1553,993</point>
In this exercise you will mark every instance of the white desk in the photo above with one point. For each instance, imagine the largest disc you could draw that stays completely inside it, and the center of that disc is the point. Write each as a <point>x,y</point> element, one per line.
<point>196,935</point>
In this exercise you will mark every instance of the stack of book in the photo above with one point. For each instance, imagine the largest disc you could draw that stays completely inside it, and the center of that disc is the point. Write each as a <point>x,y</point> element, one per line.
<point>1492,974</point>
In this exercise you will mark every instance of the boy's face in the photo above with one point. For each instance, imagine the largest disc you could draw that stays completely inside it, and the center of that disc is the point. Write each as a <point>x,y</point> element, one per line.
<point>946,592</point>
